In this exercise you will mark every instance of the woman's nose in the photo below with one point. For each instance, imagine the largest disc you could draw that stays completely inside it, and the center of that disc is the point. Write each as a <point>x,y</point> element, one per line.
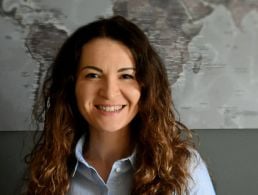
<point>110,88</point>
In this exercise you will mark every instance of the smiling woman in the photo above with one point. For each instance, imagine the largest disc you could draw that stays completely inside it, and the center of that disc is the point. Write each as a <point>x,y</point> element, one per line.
<point>107,91</point>
<point>109,125</point>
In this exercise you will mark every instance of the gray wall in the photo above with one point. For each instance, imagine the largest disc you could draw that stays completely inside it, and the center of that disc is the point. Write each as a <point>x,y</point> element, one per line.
<point>231,156</point>
<point>232,159</point>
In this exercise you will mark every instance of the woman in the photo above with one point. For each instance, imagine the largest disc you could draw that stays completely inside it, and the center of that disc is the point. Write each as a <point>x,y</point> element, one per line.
<point>109,125</point>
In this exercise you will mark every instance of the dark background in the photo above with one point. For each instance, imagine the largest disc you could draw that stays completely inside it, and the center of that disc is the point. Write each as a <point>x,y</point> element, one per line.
<point>231,156</point>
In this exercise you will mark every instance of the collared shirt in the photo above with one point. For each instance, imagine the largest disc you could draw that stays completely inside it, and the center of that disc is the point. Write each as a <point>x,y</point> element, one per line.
<point>86,180</point>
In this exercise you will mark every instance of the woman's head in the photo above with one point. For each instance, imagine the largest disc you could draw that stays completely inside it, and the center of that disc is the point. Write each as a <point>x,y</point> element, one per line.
<point>150,72</point>
<point>107,92</point>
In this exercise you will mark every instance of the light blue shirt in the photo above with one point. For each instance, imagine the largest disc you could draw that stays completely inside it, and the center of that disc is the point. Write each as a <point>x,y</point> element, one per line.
<point>86,180</point>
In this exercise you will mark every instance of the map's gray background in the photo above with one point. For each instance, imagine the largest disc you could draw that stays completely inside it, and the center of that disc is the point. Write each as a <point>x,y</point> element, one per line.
<point>210,49</point>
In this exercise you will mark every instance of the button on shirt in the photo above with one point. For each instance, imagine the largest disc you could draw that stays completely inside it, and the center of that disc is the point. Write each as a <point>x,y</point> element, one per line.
<point>86,180</point>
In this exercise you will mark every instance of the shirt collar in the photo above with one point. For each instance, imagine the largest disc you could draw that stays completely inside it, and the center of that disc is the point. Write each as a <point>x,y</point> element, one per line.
<point>80,158</point>
<point>132,158</point>
<point>78,153</point>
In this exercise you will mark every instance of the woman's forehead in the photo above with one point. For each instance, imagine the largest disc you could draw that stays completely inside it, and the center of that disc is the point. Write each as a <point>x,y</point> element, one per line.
<point>105,52</point>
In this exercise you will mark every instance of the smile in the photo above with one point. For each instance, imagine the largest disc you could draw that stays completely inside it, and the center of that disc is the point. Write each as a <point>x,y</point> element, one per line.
<point>114,108</point>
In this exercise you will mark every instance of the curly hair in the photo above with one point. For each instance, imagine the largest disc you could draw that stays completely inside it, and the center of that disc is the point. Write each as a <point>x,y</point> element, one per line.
<point>163,144</point>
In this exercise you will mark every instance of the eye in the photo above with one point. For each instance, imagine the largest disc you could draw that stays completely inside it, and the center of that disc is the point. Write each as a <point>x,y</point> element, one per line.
<point>91,76</point>
<point>127,76</point>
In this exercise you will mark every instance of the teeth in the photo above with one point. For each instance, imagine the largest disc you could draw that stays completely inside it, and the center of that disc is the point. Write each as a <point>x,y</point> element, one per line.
<point>110,108</point>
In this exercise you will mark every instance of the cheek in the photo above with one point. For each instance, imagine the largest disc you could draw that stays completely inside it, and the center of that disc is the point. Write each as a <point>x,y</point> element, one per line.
<point>135,95</point>
<point>82,93</point>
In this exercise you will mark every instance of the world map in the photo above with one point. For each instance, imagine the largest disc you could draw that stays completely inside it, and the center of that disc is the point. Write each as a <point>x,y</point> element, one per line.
<point>209,47</point>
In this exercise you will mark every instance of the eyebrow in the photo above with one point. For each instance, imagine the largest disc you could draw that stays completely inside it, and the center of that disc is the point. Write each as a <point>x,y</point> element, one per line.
<point>92,67</point>
<point>101,71</point>
<point>125,69</point>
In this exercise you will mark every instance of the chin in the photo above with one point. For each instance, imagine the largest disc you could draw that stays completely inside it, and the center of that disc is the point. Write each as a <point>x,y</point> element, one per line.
<point>113,129</point>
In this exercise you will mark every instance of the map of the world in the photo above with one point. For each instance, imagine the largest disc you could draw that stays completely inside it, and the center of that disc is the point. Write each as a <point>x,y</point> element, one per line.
<point>209,47</point>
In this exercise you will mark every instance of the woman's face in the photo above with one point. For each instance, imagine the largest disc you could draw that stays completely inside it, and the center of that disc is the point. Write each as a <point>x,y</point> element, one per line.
<point>106,89</point>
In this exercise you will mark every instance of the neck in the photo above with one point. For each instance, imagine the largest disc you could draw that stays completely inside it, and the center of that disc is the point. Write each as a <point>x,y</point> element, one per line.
<point>107,147</point>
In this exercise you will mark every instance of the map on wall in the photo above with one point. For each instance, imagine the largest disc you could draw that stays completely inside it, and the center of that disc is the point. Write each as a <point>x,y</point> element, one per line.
<point>210,49</point>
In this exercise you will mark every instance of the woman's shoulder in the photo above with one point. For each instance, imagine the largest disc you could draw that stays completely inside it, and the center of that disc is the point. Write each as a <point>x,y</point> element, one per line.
<point>200,181</point>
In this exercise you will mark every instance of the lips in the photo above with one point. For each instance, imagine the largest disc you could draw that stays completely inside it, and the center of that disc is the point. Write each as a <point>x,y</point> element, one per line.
<point>110,108</point>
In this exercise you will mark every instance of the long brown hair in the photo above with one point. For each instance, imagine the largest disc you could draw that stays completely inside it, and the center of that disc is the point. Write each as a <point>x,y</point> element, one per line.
<point>163,144</point>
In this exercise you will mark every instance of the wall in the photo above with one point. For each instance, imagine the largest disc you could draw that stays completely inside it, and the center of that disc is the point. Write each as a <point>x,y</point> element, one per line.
<point>231,156</point>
